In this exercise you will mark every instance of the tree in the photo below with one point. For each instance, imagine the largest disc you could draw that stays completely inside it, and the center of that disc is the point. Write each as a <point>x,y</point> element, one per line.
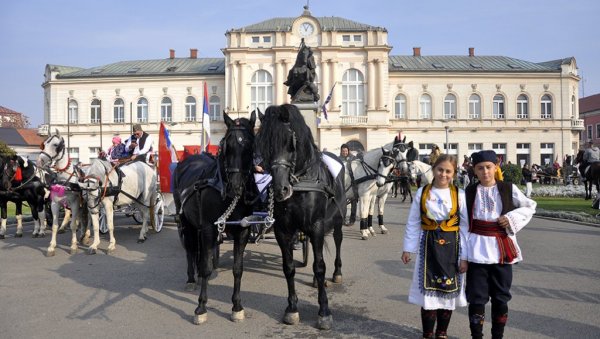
<point>5,150</point>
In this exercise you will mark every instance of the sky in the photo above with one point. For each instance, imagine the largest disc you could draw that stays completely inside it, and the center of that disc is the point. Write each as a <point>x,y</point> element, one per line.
<point>89,33</point>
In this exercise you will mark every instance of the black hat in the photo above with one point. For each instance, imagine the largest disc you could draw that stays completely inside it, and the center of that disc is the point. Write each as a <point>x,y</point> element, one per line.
<point>482,156</point>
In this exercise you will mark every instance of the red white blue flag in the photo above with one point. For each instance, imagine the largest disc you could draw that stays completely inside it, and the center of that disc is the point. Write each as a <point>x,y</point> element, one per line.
<point>324,107</point>
<point>167,157</point>
<point>205,118</point>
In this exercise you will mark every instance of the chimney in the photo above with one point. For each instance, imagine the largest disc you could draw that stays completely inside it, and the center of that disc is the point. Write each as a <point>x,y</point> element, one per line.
<point>471,51</point>
<point>171,54</point>
<point>193,53</point>
<point>417,51</point>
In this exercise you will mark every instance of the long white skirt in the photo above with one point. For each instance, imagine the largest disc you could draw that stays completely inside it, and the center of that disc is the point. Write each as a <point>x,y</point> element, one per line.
<point>431,302</point>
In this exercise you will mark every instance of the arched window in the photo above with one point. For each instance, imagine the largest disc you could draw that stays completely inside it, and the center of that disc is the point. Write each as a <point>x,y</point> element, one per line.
<point>166,110</point>
<point>142,110</point>
<point>214,107</point>
<point>353,93</point>
<point>546,107</point>
<point>573,115</point>
<point>450,107</point>
<point>474,107</point>
<point>261,90</point>
<point>190,109</point>
<point>498,112</point>
<point>400,106</point>
<point>95,111</point>
<point>119,111</point>
<point>425,106</point>
<point>73,112</point>
<point>522,107</point>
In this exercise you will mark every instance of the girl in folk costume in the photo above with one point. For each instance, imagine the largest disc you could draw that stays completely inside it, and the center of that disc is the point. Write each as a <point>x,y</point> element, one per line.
<point>436,230</point>
<point>497,211</point>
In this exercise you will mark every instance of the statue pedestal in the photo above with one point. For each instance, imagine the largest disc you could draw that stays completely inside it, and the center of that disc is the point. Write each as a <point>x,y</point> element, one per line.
<point>309,112</point>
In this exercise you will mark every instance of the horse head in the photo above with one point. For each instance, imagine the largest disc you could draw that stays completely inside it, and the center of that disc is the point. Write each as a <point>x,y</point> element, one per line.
<point>387,162</point>
<point>236,152</point>
<point>404,153</point>
<point>53,148</point>
<point>285,143</point>
<point>579,157</point>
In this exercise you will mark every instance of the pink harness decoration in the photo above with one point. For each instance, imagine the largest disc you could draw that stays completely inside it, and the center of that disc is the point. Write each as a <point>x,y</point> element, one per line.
<point>58,191</point>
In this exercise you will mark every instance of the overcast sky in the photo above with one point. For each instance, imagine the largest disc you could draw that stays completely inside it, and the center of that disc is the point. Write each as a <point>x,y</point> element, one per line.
<point>88,33</point>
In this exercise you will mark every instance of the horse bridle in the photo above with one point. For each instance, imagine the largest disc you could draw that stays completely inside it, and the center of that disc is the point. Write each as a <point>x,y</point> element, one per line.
<point>60,152</point>
<point>232,132</point>
<point>291,165</point>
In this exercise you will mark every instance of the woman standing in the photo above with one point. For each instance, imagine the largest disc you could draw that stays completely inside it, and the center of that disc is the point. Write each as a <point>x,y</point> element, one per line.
<point>436,230</point>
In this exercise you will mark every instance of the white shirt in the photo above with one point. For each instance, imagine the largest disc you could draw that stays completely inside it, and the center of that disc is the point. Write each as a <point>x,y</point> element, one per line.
<point>147,145</point>
<point>488,206</point>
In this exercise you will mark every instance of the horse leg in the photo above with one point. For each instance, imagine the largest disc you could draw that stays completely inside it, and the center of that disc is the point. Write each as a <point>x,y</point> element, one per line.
<point>190,243</point>
<point>65,221</point>
<point>364,211</point>
<point>381,206</point>
<point>208,239</point>
<point>4,215</point>
<point>286,245</point>
<point>74,222</point>
<point>325,319</point>
<point>95,216</point>
<point>109,214</point>
<point>19,217</point>
<point>370,216</point>
<point>240,240</point>
<point>54,207</point>
<point>337,238</point>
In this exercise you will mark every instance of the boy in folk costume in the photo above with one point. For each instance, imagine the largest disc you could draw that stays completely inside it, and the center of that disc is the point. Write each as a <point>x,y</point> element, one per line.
<point>497,211</point>
<point>436,230</point>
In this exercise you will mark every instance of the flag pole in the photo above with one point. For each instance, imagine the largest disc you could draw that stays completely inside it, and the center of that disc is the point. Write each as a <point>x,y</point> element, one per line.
<point>202,121</point>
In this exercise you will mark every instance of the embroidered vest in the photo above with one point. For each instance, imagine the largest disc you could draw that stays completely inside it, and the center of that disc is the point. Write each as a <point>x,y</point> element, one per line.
<point>449,225</point>
<point>505,190</point>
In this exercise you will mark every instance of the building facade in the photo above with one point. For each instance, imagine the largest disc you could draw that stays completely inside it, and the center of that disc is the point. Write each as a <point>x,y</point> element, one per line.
<point>526,111</point>
<point>589,108</point>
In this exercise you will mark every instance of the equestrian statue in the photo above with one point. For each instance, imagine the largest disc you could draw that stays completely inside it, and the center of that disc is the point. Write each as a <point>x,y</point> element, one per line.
<point>301,78</point>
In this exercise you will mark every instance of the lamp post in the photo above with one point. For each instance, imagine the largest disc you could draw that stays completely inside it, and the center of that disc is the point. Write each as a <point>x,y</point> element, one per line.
<point>447,146</point>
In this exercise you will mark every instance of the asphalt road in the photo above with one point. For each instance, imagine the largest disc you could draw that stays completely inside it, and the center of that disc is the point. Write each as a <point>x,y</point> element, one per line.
<point>138,291</point>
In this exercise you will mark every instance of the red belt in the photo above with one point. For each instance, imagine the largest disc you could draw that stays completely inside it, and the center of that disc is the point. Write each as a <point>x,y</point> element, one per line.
<point>508,250</point>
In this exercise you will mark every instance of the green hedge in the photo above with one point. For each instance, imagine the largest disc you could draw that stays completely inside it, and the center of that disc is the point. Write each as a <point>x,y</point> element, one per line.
<point>512,173</point>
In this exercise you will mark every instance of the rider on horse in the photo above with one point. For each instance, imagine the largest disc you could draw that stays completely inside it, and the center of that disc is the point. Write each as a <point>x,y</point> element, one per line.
<point>590,156</point>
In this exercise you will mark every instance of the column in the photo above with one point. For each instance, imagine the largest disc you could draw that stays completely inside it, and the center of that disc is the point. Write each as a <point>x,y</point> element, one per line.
<point>335,100</point>
<point>283,88</point>
<point>371,84</point>
<point>279,79</point>
<point>240,87</point>
<point>324,81</point>
<point>381,83</point>
<point>232,91</point>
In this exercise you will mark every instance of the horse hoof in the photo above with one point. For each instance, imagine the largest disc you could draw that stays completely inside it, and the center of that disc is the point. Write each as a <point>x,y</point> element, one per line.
<point>384,229</point>
<point>2,236</point>
<point>110,251</point>
<point>50,254</point>
<point>42,235</point>
<point>34,235</point>
<point>73,251</point>
<point>86,242</point>
<point>372,231</point>
<point>190,287</point>
<point>19,235</point>
<point>60,231</point>
<point>337,279</point>
<point>92,251</point>
<point>141,241</point>
<point>200,318</point>
<point>291,318</point>
<point>236,317</point>
<point>325,323</point>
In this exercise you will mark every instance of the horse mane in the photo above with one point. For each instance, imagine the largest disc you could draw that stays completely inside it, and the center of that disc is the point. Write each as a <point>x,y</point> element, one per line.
<point>273,134</point>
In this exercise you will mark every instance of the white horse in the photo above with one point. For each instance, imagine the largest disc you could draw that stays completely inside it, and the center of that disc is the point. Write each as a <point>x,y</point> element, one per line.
<point>54,158</point>
<point>366,171</point>
<point>101,185</point>
<point>419,169</point>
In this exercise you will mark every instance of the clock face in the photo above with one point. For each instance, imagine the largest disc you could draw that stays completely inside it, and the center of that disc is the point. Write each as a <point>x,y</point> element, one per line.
<point>306,29</point>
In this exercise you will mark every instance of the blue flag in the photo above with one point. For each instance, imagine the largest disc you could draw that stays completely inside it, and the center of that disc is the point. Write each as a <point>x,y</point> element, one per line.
<point>324,107</point>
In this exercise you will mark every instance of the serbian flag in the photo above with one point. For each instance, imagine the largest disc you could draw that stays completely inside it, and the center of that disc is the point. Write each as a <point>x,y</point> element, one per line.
<point>167,159</point>
<point>324,107</point>
<point>205,119</point>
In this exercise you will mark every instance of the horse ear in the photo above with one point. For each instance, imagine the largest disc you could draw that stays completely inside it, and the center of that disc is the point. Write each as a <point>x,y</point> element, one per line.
<point>227,119</point>
<point>253,118</point>
<point>396,139</point>
<point>404,140</point>
<point>57,132</point>
<point>261,116</point>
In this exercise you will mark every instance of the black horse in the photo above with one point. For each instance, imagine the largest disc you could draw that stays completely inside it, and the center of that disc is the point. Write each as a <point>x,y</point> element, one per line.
<point>307,198</point>
<point>591,175</point>
<point>206,189</point>
<point>20,182</point>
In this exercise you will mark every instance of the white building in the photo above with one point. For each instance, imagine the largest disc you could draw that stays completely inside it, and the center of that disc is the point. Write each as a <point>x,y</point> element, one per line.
<point>524,110</point>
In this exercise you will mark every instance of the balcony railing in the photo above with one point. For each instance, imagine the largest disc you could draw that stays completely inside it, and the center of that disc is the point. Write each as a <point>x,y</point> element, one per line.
<point>354,120</point>
<point>577,124</point>
<point>43,129</point>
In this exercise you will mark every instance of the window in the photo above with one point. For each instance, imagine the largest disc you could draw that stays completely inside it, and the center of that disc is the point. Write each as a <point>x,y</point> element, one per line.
<point>475,147</point>
<point>589,132</point>
<point>597,130</point>
<point>522,107</point>
<point>345,38</point>
<point>452,149</point>
<point>214,108</point>
<point>255,39</point>
<point>94,151</point>
<point>498,112</point>
<point>119,111</point>
<point>546,107</point>
<point>450,107</point>
<point>357,37</point>
<point>522,146</point>
<point>573,106</point>
<point>400,107</point>
<point>425,105</point>
<point>496,146</point>
<point>261,90</point>
<point>142,110</point>
<point>95,111</point>
<point>73,112</point>
<point>353,92</point>
<point>424,151</point>
<point>474,106</point>
<point>74,154</point>
<point>267,39</point>
<point>190,109</point>
<point>166,110</point>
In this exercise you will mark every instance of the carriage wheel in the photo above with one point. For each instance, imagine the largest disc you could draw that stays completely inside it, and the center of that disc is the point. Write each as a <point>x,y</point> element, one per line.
<point>137,215</point>
<point>159,213</point>
<point>103,225</point>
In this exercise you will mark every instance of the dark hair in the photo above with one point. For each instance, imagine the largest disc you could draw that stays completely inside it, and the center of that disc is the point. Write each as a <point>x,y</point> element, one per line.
<point>446,157</point>
<point>345,146</point>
